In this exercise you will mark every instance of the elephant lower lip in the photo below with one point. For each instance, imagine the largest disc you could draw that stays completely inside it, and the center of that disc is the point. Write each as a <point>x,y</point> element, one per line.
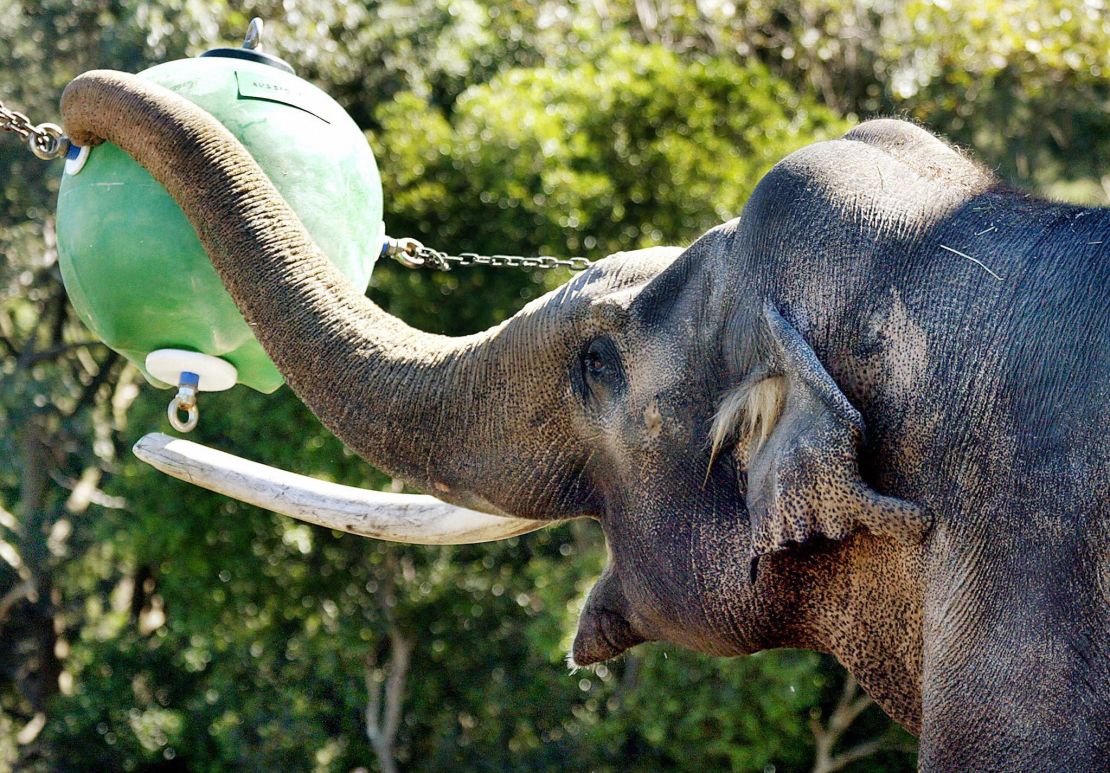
<point>606,636</point>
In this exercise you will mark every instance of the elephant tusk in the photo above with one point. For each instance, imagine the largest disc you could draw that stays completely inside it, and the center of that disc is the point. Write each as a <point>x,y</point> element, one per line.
<point>411,518</point>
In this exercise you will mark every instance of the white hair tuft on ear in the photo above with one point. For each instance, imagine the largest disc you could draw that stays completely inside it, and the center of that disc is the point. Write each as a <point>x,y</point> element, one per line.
<point>748,413</point>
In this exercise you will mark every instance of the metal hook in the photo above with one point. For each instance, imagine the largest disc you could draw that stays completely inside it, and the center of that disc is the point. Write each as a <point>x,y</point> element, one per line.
<point>253,39</point>
<point>48,141</point>
<point>192,415</point>
<point>185,400</point>
<point>406,251</point>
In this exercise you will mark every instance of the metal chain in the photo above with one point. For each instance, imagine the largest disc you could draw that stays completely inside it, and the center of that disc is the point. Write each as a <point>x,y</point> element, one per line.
<point>412,254</point>
<point>46,140</point>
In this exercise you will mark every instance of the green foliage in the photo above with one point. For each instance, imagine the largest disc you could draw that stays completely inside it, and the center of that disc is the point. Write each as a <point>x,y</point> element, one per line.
<point>153,626</point>
<point>633,148</point>
<point>1023,82</point>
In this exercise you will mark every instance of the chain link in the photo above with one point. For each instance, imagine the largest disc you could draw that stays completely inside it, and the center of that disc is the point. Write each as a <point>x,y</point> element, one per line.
<point>46,140</point>
<point>412,254</point>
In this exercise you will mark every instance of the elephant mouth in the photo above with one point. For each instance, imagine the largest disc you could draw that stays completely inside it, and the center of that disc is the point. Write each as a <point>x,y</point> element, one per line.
<point>602,635</point>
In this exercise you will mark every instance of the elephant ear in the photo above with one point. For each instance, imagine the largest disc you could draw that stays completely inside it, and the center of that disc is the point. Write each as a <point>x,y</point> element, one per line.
<point>802,456</point>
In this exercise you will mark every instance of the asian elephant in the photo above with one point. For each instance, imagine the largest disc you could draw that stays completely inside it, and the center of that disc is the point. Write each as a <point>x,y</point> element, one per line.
<point>867,417</point>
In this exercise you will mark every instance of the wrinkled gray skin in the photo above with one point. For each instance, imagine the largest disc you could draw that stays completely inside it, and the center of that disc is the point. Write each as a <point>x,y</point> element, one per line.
<point>971,597</point>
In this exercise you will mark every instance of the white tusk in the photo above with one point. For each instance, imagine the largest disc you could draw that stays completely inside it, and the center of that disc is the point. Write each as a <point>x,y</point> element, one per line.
<point>412,518</point>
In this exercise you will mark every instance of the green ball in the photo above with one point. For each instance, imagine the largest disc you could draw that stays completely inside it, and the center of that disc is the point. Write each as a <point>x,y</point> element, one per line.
<point>132,264</point>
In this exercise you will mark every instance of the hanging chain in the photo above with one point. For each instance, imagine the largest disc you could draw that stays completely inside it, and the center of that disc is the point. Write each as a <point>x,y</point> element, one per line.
<point>46,140</point>
<point>412,254</point>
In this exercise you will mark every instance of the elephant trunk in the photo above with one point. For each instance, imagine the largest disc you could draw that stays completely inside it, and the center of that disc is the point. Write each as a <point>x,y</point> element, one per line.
<point>381,386</point>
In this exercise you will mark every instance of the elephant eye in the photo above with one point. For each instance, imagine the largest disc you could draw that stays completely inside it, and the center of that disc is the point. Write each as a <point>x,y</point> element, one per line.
<point>600,367</point>
<point>594,361</point>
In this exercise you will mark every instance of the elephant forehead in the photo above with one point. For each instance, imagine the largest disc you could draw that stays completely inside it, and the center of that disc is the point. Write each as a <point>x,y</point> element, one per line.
<point>599,305</point>
<point>637,266</point>
<point>599,298</point>
<point>620,272</point>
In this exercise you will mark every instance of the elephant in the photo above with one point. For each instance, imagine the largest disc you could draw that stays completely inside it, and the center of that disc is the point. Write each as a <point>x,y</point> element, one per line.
<point>866,417</point>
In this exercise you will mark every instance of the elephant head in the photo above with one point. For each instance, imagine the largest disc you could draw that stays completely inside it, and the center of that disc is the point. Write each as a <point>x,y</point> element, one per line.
<point>707,406</point>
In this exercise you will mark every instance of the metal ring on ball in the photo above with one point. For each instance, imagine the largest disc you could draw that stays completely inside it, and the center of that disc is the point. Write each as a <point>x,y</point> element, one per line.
<point>192,415</point>
<point>48,141</point>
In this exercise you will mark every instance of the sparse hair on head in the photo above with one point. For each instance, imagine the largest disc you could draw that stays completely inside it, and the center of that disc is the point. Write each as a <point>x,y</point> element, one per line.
<point>747,414</point>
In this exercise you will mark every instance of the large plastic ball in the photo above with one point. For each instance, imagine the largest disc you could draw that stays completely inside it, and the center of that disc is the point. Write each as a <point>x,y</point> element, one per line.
<point>132,264</point>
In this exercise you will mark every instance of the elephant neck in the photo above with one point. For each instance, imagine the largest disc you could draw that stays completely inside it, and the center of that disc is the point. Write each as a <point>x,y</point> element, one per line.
<point>859,600</point>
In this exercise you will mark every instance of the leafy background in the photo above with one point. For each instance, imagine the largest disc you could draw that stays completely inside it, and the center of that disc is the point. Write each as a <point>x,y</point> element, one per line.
<point>145,625</point>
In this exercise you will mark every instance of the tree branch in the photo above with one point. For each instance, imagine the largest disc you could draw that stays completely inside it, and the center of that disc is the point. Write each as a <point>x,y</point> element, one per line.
<point>857,752</point>
<point>387,686</point>
<point>88,394</point>
<point>849,706</point>
<point>24,591</point>
<point>54,351</point>
<point>400,657</point>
